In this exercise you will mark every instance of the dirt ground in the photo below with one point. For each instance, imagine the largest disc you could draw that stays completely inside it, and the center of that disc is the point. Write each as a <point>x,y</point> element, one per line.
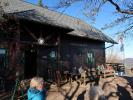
<point>117,88</point>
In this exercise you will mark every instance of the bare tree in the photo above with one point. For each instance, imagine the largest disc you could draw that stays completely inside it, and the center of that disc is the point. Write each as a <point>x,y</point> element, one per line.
<point>113,56</point>
<point>40,3</point>
<point>124,8</point>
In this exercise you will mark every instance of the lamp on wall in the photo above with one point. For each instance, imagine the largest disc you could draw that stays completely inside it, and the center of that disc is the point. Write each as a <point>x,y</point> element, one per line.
<point>41,41</point>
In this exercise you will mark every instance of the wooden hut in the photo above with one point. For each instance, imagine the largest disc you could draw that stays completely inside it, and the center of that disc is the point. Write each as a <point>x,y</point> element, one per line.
<point>68,42</point>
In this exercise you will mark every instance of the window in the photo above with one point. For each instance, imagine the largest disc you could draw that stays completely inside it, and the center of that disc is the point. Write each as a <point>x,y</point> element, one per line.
<point>3,58</point>
<point>90,59</point>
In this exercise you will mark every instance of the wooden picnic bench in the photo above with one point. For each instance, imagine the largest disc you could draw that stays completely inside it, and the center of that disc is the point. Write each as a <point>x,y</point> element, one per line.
<point>117,66</point>
<point>89,75</point>
<point>104,73</point>
<point>107,73</point>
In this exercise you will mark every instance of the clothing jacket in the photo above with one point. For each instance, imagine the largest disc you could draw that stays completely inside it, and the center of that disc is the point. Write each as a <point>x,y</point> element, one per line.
<point>34,94</point>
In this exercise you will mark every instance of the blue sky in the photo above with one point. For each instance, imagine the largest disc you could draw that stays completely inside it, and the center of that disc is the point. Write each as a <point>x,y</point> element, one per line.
<point>105,16</point>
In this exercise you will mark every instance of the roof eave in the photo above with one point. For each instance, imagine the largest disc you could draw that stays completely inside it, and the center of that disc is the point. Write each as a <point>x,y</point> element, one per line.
<point>13,15</point>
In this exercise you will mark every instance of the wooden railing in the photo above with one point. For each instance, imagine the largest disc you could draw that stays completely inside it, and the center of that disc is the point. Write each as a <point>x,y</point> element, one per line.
<point>107,73</point>
<point>117,66</point>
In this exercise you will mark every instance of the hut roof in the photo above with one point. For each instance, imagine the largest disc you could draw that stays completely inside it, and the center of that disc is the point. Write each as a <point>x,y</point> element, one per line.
<point>32,12</point>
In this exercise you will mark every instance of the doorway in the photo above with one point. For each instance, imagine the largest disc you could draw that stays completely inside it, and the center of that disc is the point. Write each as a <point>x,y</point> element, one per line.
<point>30,68</point>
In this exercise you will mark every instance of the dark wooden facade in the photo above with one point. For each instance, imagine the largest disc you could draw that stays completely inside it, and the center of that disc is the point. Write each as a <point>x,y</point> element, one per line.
<point>60,51</point>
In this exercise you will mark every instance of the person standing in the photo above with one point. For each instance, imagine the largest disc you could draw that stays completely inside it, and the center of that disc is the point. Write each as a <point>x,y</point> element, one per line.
<point>37,89</point>
<point>96,92</point>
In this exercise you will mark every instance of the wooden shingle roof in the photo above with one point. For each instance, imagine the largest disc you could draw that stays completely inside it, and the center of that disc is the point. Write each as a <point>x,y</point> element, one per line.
<point>42,15</point>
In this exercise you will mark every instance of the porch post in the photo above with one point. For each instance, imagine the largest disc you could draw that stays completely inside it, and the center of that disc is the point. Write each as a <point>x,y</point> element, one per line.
<point>58,74</point>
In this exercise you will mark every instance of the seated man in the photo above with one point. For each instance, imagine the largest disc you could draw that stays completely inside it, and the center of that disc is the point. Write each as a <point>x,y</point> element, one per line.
<point>96,92</point>
<point>37,90</point>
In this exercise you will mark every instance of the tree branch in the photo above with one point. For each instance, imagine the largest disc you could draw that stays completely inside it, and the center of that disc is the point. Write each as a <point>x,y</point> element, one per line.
<point>129,28</point>
<point>119,9</point>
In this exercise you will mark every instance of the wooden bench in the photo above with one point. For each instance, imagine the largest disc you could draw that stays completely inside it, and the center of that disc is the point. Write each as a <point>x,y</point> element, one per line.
<point>107,73</point>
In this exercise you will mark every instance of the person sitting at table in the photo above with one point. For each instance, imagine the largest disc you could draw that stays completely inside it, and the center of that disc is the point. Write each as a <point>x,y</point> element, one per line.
<point>109,67</point>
